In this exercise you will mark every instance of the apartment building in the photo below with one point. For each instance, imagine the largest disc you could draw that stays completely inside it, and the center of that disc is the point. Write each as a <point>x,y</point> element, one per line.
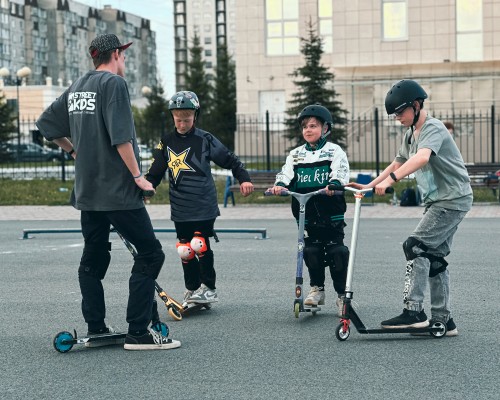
<point>52,38</point>
<point>452,47</point>
<point>213,21</point>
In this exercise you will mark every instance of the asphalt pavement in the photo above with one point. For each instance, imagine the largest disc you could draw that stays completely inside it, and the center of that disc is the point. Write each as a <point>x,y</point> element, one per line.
<point>249,345</point>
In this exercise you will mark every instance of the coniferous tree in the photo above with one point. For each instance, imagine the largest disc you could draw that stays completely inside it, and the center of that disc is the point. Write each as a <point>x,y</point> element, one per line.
<point>197,80</point>
<point>223,115</point>
<point>154,120</point>
<point>314,83</point>
<point>7,125</point>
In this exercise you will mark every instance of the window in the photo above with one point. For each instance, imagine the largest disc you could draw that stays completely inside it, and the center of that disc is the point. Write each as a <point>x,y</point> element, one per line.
<point>282,27</point>
<point>395,20</point>
<point>325,14</point>
<point>469,30</point>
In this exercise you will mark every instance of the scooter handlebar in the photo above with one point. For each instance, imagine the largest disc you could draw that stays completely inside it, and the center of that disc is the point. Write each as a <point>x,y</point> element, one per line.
<point>148,193</point>
<point>343,188</point>
<point>284,192</point>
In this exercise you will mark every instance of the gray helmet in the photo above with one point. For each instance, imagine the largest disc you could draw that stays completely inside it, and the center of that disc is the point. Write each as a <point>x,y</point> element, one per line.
<point>185,100</point>
<point>402,95</point>
<point>320,112</point>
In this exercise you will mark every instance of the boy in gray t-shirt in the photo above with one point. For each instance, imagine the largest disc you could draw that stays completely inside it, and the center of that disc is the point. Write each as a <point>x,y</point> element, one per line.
<point>428,151</point>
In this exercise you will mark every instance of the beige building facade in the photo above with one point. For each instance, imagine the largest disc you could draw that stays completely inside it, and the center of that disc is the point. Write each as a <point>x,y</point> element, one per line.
<point>452,47</point>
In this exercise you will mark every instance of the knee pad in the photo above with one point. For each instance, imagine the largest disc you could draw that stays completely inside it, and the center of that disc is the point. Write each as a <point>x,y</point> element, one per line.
<point>185,250</point>
<point>95,260</point>
<point>199,244</point>
<point>313,253</point>
<point>438,265</point>
<point>414,248</point>
<point>149,259</point>
<point>337,255</point>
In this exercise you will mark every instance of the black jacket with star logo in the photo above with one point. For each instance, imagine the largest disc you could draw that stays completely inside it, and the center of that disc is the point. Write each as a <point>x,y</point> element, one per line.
<point>187,158</point>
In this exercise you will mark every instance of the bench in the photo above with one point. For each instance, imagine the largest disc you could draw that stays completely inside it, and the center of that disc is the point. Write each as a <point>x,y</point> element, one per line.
<point>261,181</point>
<point>484,175</point>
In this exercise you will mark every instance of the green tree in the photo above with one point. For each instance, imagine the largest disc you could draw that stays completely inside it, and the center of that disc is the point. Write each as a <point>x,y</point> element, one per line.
<point>197,80</point>
<point>7,125</point>
<point>152,121</point>
<point>314,84</point>
<point>222,121</point>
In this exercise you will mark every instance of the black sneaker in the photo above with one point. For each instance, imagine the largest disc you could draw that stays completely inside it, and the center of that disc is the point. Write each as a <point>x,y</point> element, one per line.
<point>150,341</point>
<point>408,319</point>
<point>104,332</point>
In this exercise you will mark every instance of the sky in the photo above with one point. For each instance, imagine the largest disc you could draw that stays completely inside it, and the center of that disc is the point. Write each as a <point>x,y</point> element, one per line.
<point>160,13</point>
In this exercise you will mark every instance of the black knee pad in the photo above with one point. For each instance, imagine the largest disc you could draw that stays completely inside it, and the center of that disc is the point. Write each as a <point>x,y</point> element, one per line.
<point>409,248</point>
<point>95,260</point>
<point>149,259</point>
<point>337,256</point>
<point>314,253</point>
<point>438,265</point>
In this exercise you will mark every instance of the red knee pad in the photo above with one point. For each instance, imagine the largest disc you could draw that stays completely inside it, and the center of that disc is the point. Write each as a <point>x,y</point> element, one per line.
<point>184,250</point>
<point>198,244</point>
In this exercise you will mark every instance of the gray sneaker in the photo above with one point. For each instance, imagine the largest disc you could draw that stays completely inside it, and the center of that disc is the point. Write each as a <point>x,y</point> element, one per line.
<point>203,295</point>
<point>105,332</point>
<point>187,295</point>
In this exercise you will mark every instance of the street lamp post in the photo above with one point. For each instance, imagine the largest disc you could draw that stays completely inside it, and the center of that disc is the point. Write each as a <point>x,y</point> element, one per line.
<point>21,75</point>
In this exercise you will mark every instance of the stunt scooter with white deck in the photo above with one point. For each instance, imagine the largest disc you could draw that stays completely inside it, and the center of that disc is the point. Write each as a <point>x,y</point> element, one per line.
<point>437,329</point>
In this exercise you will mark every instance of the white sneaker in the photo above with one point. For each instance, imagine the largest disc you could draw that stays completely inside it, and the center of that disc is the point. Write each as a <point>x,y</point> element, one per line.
<point>340,305</point>
<point>315,297</point>
<point>187,295</point>
<point>203,295</point>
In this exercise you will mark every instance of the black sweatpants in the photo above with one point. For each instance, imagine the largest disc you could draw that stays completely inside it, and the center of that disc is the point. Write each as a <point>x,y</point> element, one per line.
<point>136,227</point>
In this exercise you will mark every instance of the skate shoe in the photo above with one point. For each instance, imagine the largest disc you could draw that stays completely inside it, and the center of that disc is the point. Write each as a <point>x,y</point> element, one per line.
<point>451,329</point>
<point>340,305</point>
<point>315,297</point>
<point>150,341</point>
<point>408,319</point>
<point>203,295</point>
<point>187,294</point>
<point>104,332</point>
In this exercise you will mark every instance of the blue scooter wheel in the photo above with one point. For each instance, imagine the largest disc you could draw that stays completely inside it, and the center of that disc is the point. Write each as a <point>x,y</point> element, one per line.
<point>61,342</point>
<point>161,328</point>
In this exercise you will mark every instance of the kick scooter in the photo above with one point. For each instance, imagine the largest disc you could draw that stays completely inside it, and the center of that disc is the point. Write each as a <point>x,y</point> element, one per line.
<point>437,329</point>
<point>302,198</point>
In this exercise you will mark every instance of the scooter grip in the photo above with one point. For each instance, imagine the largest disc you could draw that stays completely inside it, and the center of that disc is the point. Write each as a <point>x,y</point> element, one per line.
<point>336,187</point>
<point>148,193</point>
<point>270,193</point>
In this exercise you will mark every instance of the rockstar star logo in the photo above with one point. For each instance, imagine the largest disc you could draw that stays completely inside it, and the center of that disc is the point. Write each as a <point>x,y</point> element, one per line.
<point>177,162</point>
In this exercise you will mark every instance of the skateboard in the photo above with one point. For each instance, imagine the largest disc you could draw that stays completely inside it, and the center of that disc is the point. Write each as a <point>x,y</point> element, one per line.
<point>64,341</point>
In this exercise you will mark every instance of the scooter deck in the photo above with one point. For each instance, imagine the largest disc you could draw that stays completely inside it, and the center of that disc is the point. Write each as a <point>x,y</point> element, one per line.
<point>64,341</point>
<point>192,307</point>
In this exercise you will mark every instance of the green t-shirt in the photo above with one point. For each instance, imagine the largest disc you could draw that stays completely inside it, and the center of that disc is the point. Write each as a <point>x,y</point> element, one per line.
<point>444,179</point>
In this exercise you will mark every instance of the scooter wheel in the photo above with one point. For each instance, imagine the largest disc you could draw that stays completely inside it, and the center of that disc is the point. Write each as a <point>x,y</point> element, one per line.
<point>60,342</point>
<point>342,334</point>
<point>161,328</point>
<point>174,313</point>
<point>442,332</point>
<point>296,309</point>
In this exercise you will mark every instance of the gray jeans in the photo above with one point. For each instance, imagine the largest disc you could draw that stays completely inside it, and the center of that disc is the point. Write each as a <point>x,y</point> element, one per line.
<point>435,230</point>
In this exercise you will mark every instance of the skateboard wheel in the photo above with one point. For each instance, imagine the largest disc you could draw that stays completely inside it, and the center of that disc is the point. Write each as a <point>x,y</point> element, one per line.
<point>61,342</point>
<point>296,309</point>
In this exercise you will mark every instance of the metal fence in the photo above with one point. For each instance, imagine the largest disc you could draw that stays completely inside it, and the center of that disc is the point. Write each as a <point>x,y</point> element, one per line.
<point>372,141</point>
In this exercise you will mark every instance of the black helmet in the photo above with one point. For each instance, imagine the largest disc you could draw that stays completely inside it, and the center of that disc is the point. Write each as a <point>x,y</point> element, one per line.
<point>185,100</point>
<point>402,95</point>
<point>320,112</point>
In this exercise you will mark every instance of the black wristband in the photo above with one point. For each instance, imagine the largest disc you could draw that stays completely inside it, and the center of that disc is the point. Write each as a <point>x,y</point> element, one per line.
<point>393,176</point>
<point>71,152</point>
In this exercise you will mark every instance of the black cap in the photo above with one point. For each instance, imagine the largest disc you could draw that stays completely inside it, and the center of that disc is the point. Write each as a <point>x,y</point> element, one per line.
<point>104,43</point>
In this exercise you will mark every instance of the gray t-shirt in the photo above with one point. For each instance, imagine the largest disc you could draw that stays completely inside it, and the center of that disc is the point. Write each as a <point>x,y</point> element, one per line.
<point>95,113</point>
<point>444,179</point>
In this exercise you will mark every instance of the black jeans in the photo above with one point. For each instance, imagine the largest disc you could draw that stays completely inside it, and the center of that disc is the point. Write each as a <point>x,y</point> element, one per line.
<point>201,268</point>
<point>136,227</point>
